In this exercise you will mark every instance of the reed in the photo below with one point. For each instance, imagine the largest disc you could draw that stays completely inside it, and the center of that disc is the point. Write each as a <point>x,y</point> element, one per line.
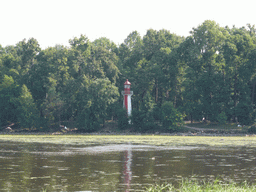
<point>189,185</point>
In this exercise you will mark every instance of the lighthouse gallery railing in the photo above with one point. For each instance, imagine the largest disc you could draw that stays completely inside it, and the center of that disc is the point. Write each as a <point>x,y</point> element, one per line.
<point>127,92</point>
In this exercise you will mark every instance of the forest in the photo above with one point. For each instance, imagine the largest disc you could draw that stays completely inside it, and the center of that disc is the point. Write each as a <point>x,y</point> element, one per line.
<point>211,74</point>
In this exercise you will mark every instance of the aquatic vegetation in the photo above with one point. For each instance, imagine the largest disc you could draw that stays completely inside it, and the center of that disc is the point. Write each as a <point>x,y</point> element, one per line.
<point>159,140</point>
<point>119,163</point>
<point>197,186</point>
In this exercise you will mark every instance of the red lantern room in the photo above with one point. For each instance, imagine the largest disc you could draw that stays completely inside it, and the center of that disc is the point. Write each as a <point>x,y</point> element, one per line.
<point>127,87</point>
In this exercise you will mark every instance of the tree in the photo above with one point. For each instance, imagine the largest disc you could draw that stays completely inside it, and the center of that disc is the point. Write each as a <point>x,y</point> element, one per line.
<point>28,115</point>
<point>9,91</point>
<point>94,98</point>
<point>52,108</point>
<point>103,56</point>
<point>205,68</point>
<point>239,70</point>
<point>143,119</point>
<point>122,119</point>
<point>251,68</point>
<point>27,50</point>
<point>209,74</point>
<point>106,44</point>
<point>171,117</point>
<point>78,57</point>
<point>131,64</point>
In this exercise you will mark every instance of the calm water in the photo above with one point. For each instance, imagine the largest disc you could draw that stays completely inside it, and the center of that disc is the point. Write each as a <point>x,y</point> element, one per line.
<point>33,167</point>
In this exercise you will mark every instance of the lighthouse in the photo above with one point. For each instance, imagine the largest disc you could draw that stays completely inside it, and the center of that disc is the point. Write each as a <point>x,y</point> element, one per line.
<point>127,93</point>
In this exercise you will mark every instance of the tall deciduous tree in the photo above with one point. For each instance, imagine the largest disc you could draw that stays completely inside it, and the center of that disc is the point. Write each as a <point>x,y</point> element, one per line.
<point>27,50</point>
<point>27,112</point>
<point>52,107</point>
<point>238,71</point>
<point>102,54</point>
<point>205,66</point>
<point>9,91</point>
<point>95,96</point>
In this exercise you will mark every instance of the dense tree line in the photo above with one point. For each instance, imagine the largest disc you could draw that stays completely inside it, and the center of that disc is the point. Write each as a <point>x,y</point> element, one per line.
<point>210,74</point>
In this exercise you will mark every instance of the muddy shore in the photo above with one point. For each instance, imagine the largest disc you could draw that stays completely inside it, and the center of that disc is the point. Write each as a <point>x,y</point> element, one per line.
<point>198,132</point>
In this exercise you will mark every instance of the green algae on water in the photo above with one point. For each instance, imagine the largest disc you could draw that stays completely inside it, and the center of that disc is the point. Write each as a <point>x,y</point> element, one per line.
<point>159,140</point>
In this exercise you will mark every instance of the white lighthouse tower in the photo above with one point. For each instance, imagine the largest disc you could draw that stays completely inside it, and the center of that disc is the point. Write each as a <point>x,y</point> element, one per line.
<point>127,93</point>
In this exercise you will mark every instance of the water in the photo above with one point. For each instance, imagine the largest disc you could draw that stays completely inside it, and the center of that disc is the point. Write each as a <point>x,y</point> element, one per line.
<point>126,167</point>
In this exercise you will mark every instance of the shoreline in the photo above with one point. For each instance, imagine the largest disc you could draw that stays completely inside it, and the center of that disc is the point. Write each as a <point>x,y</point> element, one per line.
<point>135,133</point>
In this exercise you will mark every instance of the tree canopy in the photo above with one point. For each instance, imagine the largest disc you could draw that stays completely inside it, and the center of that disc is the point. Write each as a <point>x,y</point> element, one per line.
<point>211,74</point>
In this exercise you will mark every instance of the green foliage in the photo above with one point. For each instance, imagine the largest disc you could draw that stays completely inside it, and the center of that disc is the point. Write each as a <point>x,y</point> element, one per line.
<point>209,74</point>
<point>138,118</point>
<point>95,98</point>
<point>52,107</point>
<point>88,121</point>
<point>160,188</point>
<point>122,119</point>
<point>222,118</point>
<point>28,115</point>
<point>143,119</point>
<point>252,129</point>
<point>9,91</point>
<point>171,117</point>
<point>203,186</point>
<point>7,83</point>
<point>244,113</point>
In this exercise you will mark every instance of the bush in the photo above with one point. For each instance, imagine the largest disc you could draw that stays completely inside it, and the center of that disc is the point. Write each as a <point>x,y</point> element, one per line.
<point>222,118</point>
<point>122,119</point>
<point>142,121</point>
<point>87,121</point>
<point>244,113</point>
<point>171,117</point>
<point>157,113</point>
<point>252,129</point>
<point>138,118</point>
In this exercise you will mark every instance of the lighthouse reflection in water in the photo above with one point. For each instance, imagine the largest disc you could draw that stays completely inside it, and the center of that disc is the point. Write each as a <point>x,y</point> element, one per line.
<point>118,167</point>
<point>127,168</point>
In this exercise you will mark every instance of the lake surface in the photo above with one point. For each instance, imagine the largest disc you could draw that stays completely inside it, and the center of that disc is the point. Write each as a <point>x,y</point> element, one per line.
<point>125,167</point>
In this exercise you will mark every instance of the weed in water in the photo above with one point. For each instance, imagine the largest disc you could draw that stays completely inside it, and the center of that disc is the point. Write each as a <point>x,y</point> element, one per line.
<point>215,141</point>
<point>203,186</point>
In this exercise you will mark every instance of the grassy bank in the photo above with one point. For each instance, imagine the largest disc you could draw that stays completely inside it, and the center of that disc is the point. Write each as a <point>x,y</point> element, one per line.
<point>214,141</point>
<point>195,186</point>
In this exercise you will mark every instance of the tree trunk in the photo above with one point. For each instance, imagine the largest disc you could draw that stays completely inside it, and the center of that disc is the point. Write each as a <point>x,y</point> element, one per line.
<point>156,97</point>
<point>235,97</point>
<point>253,91</point>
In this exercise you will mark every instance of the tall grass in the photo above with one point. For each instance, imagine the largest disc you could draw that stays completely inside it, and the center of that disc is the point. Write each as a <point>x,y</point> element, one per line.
<point>196,186</point>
